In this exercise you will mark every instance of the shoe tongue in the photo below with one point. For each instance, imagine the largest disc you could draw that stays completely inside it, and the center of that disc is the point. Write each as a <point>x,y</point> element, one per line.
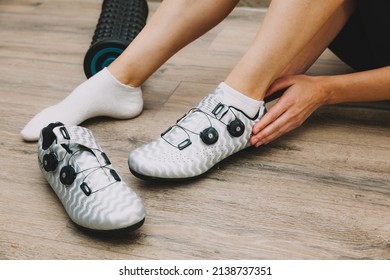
<point>85,158</point>
<point>209,103</point>
<point>195,121</point>
<point>199,118</point>
<point>88,164</point>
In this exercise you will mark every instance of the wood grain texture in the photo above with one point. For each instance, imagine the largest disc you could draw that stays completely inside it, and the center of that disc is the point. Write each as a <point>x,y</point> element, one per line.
<point>320,192</point>
<point>245,3</point>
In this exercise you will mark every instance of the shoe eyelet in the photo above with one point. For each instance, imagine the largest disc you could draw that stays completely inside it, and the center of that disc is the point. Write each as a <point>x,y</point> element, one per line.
<point>218,109</point>
<point>184,144</point>
<point>115,175</point>
<point>105,157</point>
<point>84,187</point>
<point>166,131</point>
<point>64,133</point>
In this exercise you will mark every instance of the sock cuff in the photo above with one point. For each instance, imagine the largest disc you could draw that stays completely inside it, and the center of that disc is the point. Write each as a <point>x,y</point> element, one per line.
<point>240,96</point>
<point>116,82</point>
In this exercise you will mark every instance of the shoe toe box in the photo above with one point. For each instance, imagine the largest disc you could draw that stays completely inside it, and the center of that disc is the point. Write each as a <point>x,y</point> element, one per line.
<point>112,208</point>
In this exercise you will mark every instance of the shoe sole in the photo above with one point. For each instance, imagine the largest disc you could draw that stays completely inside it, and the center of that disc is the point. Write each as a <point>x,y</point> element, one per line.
<point>166,180</point>
<point>178,180</point>
<point>112,232</point>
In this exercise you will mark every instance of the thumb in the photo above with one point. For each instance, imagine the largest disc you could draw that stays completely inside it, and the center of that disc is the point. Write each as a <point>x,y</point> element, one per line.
<point>280,84</point>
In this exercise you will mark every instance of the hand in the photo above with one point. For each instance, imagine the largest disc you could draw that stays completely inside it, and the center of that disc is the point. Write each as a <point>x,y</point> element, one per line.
<point>303,95</point>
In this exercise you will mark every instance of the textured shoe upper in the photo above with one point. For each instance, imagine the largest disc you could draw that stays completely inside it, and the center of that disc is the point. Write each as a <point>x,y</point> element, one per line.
<point>80,173</point>
<point>204,136</point>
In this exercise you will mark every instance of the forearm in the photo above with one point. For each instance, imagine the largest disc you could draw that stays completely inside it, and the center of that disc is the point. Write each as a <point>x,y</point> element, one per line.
<point>373,85</point>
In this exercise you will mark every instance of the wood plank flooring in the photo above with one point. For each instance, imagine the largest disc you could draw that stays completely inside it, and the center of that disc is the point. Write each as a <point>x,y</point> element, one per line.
<point>244,3</point>
<point>320,192</point>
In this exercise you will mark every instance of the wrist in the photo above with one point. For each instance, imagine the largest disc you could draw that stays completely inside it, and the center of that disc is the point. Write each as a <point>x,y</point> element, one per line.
<point>328,89</point>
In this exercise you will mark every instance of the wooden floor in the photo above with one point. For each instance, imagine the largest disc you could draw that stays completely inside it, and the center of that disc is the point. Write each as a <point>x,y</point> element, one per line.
<point>320,192</point>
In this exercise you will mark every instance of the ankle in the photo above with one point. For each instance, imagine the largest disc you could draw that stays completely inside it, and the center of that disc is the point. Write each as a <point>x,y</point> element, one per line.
<point>124,76</point>
<point>247,104</point>
<point>119,83</point>
<point>255,91</point>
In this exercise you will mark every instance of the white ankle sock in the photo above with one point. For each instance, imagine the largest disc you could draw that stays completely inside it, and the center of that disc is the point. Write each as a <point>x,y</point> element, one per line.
<point>240,101</point>
<point>101,95</point>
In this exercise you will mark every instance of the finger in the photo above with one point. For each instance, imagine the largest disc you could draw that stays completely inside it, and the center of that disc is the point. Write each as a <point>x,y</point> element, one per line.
<point>276,129</point>
<point>263,136</point>
<point>277,110</point>
<point>280,84</point>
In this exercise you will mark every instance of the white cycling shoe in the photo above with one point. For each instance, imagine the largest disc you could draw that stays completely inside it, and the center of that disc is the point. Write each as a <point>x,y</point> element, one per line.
<point>80,173</point>
<point>203,137</point>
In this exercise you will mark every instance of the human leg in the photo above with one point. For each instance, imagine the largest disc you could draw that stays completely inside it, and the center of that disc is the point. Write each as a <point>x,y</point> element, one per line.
<point>325,36</point>
<point>303,94</point>
<point>291,37</point>
<point>174,25</point>
<point>182,152</point>
<point>116,92</point>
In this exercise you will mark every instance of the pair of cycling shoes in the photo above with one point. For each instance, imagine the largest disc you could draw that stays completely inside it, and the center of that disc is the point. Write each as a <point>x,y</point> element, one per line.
<point>95,196</point>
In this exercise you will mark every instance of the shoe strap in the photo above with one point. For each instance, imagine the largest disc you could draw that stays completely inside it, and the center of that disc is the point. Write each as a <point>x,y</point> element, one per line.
<point>75,135</point>
<point>81,136</point>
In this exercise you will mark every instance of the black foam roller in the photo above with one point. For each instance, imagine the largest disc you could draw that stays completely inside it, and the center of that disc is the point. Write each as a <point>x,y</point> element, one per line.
<point>119,23</point>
